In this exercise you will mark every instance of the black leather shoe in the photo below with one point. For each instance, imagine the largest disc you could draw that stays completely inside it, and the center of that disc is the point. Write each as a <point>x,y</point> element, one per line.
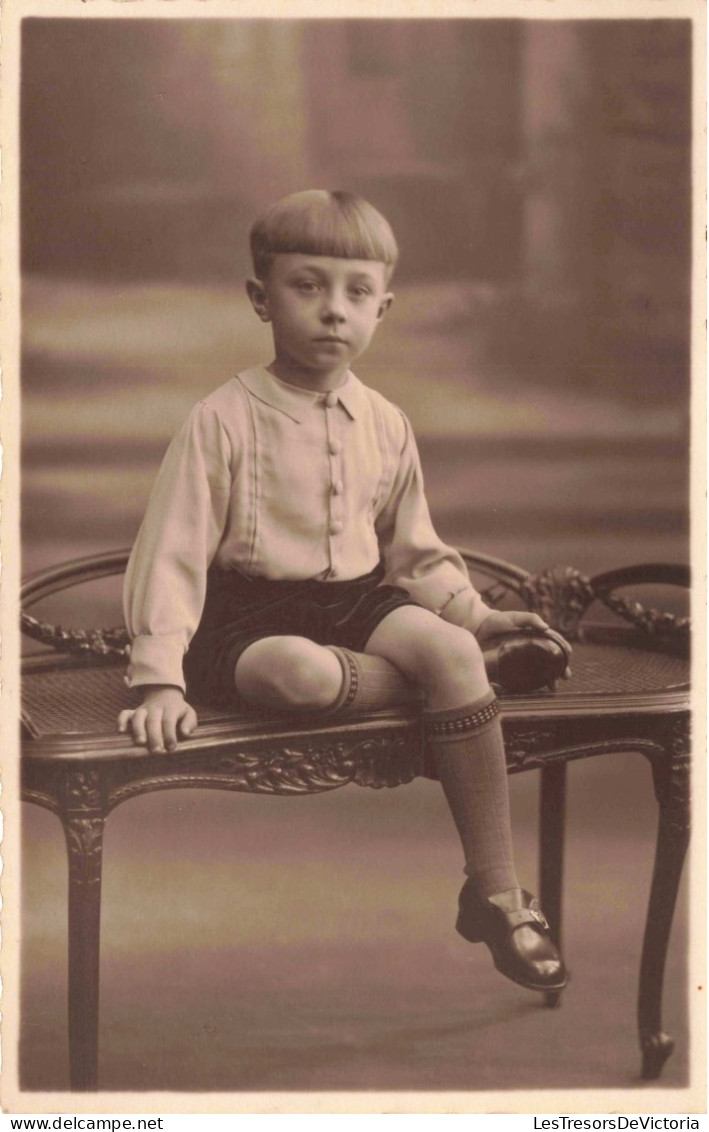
<point>523,660</point>
<point>514,928</point>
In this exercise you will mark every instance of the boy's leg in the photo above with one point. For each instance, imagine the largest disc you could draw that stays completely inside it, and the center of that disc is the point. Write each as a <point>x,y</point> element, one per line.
<point>288,672</point>
<point>294,673</point>
<point>464,734</point>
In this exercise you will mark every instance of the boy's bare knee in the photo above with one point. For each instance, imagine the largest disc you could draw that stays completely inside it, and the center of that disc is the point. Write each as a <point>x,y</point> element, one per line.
<point>443,659</point>
<point>451,652</point>
<point>290,672</point>
<point>449,666</point>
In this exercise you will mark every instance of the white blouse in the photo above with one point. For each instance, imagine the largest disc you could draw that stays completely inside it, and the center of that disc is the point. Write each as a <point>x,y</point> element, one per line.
<point>283,483</point>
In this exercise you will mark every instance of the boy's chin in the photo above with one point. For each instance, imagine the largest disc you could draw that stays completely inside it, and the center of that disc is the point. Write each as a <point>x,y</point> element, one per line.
<point>314,373</point>
<point>330,359</point>
<point>331,352</point>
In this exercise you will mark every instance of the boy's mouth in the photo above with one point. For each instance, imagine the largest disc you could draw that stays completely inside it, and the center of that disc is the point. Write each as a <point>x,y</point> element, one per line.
<point>331,338</point>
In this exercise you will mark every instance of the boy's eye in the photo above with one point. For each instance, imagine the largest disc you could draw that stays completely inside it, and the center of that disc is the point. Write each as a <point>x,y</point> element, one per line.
<point>306,286</point>
<point>359,292</point>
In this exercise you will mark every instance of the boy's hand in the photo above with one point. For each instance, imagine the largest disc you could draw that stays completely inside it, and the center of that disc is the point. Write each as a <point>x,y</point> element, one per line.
<point>162,719</point>
<point>499,622</point>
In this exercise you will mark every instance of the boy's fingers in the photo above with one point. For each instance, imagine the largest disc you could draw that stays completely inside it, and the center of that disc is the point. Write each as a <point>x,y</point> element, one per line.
<point>532,619</point>
<point>188,722</point>
<point>169,730</point>
<point>156,743</point>
<point>124,719</point>
<point>138,727</point>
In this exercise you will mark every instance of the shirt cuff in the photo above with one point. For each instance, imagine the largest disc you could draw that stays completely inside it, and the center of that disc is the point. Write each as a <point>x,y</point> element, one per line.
<point>447,594</point>
<point>465,608</point>
<point>157,660</point>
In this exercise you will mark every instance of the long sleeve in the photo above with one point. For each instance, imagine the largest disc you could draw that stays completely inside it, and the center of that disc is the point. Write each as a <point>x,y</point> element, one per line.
<point>165,582</point>
<point>415,557</point>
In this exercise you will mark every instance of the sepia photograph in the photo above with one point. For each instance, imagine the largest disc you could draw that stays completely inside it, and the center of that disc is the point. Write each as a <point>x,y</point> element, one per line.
<point>350,710</point>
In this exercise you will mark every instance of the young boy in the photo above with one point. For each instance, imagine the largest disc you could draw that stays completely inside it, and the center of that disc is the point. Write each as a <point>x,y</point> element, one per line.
<point>288,548</point>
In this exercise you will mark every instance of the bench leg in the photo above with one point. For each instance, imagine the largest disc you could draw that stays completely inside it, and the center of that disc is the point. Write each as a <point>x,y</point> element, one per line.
<point>84,838</point>
<point>552,807</point>
<point>671,780</point>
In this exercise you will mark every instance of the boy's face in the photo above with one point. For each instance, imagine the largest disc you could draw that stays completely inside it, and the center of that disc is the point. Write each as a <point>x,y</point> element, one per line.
<point>323,311</point>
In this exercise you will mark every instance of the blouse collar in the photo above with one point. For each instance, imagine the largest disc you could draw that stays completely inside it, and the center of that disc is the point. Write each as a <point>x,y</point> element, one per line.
<point>294,401</point>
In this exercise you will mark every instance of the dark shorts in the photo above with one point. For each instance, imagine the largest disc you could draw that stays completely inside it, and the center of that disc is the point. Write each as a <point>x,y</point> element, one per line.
<point>240,610</point>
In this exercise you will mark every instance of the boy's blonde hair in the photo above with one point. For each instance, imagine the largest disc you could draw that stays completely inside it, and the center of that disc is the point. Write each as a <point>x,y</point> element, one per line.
<point>318,222</point>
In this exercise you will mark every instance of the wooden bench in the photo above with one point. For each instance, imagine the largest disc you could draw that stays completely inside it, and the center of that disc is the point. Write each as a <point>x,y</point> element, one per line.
<point>629,692</point>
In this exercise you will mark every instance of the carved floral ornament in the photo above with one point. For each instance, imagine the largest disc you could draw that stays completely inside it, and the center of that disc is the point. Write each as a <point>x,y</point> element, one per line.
<point>84,840</point>
<point>376,761</point>
<point>83,790</point>
<point>562,595</point>
<point>106,643</point>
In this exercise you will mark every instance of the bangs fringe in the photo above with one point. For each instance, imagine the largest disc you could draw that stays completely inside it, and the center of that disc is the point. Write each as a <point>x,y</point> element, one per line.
<point>317,222</point>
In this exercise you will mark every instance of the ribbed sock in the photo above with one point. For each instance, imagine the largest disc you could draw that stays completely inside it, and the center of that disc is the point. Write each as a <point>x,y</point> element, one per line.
<point>469,756</point>
<point>368,683</point>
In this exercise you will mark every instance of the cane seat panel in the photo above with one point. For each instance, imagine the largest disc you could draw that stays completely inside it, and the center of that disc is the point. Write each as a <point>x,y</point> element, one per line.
<point>85,700</point>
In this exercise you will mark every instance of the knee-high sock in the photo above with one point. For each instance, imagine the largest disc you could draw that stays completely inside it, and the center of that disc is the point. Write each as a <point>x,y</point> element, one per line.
<point>368,683</point>
<point>469,757</point>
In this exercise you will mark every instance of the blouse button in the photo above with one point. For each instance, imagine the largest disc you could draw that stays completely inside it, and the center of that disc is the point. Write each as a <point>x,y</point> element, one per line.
<point>335,447</point>
<point>337,527</point>
<point>337,487</point>
<point>331,399</point>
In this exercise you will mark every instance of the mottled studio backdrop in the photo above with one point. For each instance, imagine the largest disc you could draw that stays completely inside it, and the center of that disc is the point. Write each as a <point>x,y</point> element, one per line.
<point>538,178</point>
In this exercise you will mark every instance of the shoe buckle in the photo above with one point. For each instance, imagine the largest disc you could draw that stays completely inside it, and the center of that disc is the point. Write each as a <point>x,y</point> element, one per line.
<point>536,911</point>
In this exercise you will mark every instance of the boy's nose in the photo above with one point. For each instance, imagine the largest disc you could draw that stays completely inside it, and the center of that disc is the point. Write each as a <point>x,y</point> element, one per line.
<point>333,309</point>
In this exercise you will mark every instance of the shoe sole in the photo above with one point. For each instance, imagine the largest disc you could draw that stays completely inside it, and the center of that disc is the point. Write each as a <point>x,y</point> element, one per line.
<point>532,986</point>
<point>514,978</point>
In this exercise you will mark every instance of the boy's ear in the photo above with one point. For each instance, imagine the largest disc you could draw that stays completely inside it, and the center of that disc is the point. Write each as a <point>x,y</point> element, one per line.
<point>259,298</point>
<point>384,305</point>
